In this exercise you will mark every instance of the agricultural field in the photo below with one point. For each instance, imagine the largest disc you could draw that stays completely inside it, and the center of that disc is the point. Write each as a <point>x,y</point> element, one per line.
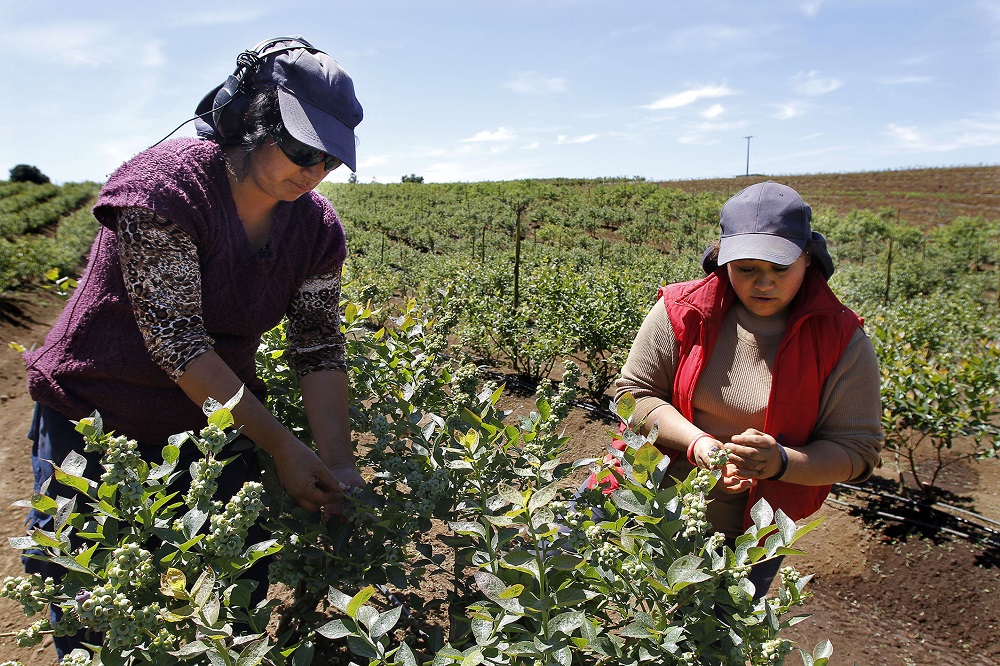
<point>454,291</point>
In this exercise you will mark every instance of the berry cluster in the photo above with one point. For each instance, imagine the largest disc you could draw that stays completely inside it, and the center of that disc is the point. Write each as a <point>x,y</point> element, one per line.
<point>228,529</point>
<point>204,480</point>
<point>111,612</point>
<point>774,651</point>
<point>30,591</point>
<point>695,504</point>
<point>131,566</point>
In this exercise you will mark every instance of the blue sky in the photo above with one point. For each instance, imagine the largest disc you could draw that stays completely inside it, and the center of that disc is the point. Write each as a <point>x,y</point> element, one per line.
<point>470,90</point>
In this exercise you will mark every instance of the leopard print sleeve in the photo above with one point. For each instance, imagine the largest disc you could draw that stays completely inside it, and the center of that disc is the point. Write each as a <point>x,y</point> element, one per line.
<point>159,262</point>
<point>314,337</point>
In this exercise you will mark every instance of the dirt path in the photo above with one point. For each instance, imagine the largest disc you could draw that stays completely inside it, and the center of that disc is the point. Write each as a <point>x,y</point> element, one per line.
<point>884,597</point>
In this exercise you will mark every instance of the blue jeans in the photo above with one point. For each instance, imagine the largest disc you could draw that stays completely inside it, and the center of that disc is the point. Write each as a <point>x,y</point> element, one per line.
<point>54,436</point>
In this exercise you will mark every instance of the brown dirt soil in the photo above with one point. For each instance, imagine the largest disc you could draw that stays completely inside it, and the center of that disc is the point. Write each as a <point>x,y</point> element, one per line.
<point>884,594</point>
<point>922,197</point>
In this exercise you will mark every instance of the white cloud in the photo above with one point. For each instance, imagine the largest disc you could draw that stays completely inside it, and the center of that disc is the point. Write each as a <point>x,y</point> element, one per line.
<point>811,7</point>
<point>811,84</point>
<point>976,132</point>
<point>83,44</point>
<point>904,80</point>
<point>562,139</point>
<point>689,97</point>
<point>789,110</point>
<point>534,83</point>
<point>713,111</point>
<point>709,36</point>
<point>207,17</point>
<point>707,134</point>
<point>502,134</point>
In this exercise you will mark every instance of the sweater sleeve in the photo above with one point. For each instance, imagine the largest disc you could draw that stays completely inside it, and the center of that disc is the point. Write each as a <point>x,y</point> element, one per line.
<point>315,340</point>
<point>648,373</point>
<point>850,410</point>
<point>162,277</point>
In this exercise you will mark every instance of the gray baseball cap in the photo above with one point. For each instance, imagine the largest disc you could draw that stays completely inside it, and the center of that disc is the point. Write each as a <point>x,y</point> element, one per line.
<point>317,100</point>
<point>315,96</point>
<point>766,221</point>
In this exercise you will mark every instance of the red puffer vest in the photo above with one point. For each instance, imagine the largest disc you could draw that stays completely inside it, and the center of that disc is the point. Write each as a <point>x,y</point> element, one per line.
<point>818,331</point>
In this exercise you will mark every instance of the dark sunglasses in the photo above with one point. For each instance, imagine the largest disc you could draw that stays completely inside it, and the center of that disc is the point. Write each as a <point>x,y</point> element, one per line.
<point>302,155</point>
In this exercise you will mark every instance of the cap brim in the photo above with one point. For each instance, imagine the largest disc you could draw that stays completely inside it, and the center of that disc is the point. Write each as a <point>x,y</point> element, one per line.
<point>317,128</point>
<point>764,247</point>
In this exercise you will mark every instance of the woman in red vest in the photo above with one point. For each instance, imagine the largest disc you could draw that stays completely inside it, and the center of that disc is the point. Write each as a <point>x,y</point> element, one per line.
<point>761,359</point>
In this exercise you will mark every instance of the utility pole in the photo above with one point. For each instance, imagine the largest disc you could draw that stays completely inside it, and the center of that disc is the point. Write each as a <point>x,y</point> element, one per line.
<point>748,152</point>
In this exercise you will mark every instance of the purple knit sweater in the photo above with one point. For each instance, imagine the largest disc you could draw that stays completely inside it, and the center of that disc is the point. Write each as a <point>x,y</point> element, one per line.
<point>94,357</point>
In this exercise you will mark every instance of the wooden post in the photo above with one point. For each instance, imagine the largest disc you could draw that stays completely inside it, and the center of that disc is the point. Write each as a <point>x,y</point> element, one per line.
<point>888,274</point>
<point>517,259</point>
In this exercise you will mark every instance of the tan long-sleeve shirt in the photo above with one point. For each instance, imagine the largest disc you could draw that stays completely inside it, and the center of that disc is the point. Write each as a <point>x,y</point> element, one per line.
<point>732,393</point>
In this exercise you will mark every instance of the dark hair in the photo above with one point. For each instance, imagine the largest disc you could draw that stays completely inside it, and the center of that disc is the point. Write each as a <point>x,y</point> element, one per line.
<point>261,122</point>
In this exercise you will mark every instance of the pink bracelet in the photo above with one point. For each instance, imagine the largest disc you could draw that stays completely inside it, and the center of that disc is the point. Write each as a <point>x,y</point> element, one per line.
<point>690,449</point>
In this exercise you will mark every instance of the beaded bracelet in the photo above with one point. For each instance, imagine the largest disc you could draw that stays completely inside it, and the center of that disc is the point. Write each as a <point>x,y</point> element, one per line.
<point>690,449</point>
<point>784,464</point>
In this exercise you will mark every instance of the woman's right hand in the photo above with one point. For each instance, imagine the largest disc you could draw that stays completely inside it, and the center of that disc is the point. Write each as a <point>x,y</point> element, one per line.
<point>308,481</point>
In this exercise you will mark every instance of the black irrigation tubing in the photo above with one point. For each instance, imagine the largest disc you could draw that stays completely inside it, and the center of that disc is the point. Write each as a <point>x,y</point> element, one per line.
<point>946,508</point>
<point>407,613</point>
<point>976,532</point>
<point>918,523</point>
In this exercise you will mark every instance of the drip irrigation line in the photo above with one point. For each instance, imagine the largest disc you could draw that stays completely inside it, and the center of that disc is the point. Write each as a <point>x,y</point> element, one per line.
<point>992,534</point>
<point>918,523</point>
<point>985,535</point>
<point>945,507</point>
<point>407,613</point>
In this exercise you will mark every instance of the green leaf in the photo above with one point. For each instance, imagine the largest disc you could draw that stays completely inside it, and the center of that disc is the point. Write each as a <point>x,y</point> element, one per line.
<point>563,562</point>
<point>43,538</point>
<point>361,647</point>
<point>385,622</point>
<point>254,653</point>
<point>761,514</point>
<point>625,407</point>
<point>334,630</point>
<point>543,496</point>
<point>77,483</point>
<point>174,584</point>
<point>567,622</point>
<point>72,564</point>
<point>43,503</point>
<point>359,600</point>
<point>512,592</point>
<point>222,418</point>
<point>684,571</point>
<point>520,560</point>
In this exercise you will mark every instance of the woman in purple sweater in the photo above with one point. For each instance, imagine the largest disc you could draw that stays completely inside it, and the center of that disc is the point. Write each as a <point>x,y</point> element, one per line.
<point>204,245</point>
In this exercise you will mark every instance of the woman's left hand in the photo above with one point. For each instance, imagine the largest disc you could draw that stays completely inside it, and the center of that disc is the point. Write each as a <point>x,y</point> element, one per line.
<point>754,454</point>
<point>348,476</point>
